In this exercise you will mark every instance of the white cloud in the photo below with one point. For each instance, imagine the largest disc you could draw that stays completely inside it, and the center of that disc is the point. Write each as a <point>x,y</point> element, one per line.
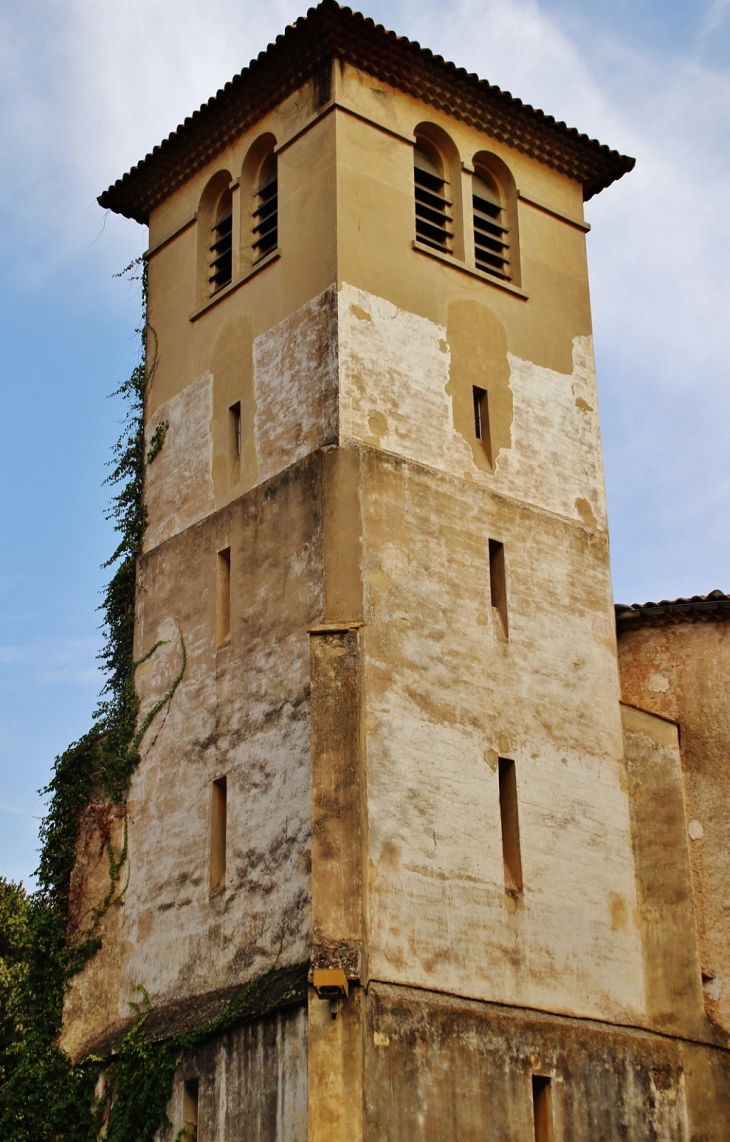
<point>714,16</point>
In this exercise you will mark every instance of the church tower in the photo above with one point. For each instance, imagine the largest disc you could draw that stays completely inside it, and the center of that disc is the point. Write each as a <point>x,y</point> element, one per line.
<point>389,801</point>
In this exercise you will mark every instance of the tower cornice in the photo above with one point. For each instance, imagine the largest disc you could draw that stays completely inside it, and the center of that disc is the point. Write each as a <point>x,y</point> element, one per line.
<point>331,32</point>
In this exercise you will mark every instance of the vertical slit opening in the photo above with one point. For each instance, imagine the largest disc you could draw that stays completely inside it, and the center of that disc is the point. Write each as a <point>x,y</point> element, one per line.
<point>542,1106</point>
<point>223,610</point>
<point>218,815</point>
<point>498,585</point>
<point>234,442</point>
<point>235,426</point>
<point>481,421</point>
<point>190,1108</point>
<point>510,825</point>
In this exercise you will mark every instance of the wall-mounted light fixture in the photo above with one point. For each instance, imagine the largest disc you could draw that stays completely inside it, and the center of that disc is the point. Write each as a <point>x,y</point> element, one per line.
<point>331,984</point>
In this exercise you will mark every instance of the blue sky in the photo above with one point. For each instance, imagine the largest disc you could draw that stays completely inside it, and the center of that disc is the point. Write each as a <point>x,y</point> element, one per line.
<point>88,88</point>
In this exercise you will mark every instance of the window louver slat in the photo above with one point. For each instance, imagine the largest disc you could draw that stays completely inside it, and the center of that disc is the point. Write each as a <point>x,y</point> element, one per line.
<point>433,221</point>
<point>425,196</point>
<point>491,251</point>
<point>485,242</point>
<point>221,264</point>
<point>488,225</point>
<point>266,215</point>
<point>431,181</point>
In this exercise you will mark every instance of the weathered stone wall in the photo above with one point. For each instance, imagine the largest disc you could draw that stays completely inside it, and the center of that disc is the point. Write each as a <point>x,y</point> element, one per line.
<point>440,1067</point>
<point>682,672</point>
<point>241,710</point>
<point>445,697</point>
<point>673,981</point>
<point>407,388</point>
<point>252,1083</point>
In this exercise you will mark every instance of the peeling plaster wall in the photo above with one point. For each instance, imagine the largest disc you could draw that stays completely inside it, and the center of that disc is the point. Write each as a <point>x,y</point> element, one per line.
<point>682,672</point>
<point>664,885</point>
<point>437,1067</point>
<point>398,393</point>
<point>445,697</point>
<point>242,710</point>
<point>179,481</point>
<point>296,386</point>
<point>252,1083</point>
<point>290,412</point>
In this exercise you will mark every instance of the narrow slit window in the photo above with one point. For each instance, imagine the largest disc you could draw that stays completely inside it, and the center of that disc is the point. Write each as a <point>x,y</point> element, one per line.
<point>491,248</point>
<point>218,815</point>
<point>266,211</point>
<point>434,224</point>
<point>542,1105</point>
<point>510,825</point>
<point>190,1109</point>
<point>221,249</point>
<point>223,615</point>
<point>498,585</point>
<point>481,420</point>
<point>234,425</point>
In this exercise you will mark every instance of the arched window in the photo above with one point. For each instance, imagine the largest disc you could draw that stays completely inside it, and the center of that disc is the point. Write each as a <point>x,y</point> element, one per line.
<point>215,237</point>
<point>221,247</point>
<point>494,211</point>
<point>266,209</point>
<point>434,217</point>
<point>491,232</point>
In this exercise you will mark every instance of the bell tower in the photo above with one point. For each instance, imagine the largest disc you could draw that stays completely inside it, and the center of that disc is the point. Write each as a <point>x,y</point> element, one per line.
<point>390,794</point>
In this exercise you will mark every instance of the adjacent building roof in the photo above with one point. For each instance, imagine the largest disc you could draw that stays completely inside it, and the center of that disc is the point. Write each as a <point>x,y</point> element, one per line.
<point>714,607</point>
<point>304,50</point>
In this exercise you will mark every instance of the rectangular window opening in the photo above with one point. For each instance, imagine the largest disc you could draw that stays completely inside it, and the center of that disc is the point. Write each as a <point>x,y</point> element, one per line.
<point>498,585</point>
<point>510,825</point>
<point>218,814</point>
<point>542,1106</point>
<point>190,1108</point>
<point>481,421</point>
<point>223,609</point>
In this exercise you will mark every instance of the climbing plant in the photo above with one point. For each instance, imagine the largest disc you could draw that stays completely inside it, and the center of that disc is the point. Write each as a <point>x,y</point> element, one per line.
<point>45,1096</point>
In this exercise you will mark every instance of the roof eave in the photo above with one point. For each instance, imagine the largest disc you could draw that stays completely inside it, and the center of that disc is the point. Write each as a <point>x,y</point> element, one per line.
<point>330,32</point>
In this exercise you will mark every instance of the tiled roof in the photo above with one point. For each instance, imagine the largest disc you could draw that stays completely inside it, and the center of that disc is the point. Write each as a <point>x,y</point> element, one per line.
<point>332,32</point>
<point>714,607</point>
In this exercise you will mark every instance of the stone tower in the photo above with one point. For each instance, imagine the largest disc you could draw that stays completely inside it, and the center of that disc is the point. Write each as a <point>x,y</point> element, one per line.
<point>394,769</point>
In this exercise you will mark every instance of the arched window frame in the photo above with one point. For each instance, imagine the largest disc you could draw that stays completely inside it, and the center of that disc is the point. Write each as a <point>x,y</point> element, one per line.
<point>258,239</point>
<point>496,175</point>
<point>435,142</point>
<point>215,201</point>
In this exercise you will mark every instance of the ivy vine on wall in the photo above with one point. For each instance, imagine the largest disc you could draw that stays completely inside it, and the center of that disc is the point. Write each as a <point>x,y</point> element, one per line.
<point>45,1096</point>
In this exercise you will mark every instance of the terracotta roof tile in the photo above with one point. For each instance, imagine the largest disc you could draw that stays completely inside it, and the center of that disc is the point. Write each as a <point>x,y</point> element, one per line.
<point>714,607</point>
<point>332,32</point>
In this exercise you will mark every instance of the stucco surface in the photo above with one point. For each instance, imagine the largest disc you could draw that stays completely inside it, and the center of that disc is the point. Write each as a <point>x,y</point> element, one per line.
<point>440,1067</point>
<point>664,883</point>
<point>242,711</point>
<point>252,1083</point>
<point>179,481</point>
<point>682,672</point>
<point>404,377</point>
<point>296,386</point>
<point>445,697</point>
